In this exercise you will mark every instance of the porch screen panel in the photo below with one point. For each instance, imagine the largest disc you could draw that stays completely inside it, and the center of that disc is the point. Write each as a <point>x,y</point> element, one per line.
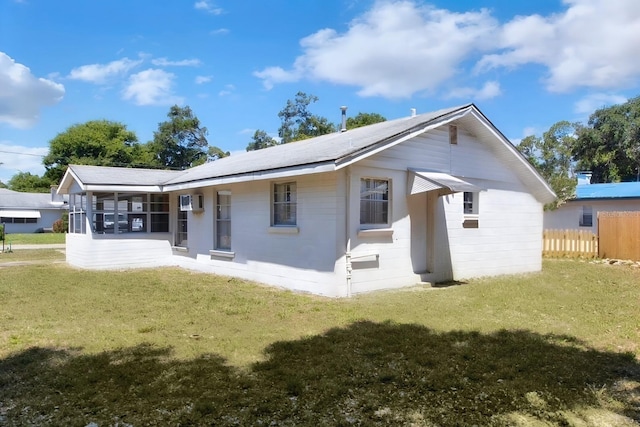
<point>159,209</point>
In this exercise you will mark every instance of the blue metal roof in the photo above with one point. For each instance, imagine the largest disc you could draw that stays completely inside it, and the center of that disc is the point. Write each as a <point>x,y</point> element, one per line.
<point>616,190</point>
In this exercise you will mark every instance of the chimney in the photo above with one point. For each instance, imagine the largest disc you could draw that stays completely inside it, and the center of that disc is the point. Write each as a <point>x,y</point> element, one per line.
<point>344,119</point>
<point>55,197</point>
<point>584,177</point>
<point>413,112</point>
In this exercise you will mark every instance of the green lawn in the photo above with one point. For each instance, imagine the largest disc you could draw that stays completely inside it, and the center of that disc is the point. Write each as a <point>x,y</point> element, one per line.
<point>167,347</point>
<point>34,238</point>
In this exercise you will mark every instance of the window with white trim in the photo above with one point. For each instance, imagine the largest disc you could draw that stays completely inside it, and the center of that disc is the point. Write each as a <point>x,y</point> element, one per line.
<point>586,216</point>
<point>284,204</point>
<point>181,226</point>
<point>374,202</point>
<point>223,221</point>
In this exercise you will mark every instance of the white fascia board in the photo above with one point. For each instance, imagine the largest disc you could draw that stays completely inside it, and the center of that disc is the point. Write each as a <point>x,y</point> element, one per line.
<point>254,176</point>
<point>123,188</point>
<point>551,196</point>
<point>349,160</point>
<point>65,183</point>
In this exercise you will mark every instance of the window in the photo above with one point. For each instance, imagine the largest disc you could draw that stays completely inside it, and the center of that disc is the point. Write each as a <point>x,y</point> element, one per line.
<point>223,221</point>
<point>374,202</point>
<point>284,204</point>
<point>586,216</point>
<point>159,211</point>
<point>18,220</point>
<point>181,227</point>
<point>470,203</point>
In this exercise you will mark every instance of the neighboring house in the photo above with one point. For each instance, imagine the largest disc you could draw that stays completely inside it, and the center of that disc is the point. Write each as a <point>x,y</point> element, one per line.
<point>427,198</point>
<point>581,212</point>
<point>30,212</point>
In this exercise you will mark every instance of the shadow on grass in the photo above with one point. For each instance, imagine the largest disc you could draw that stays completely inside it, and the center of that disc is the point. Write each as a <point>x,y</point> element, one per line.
<point>365,374</point>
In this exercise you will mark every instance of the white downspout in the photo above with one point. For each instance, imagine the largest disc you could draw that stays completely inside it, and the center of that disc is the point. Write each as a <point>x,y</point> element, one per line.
<point>347,254</point>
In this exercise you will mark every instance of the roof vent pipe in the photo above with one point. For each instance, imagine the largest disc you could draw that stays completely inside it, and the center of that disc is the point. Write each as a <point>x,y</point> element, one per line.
<point>343,128</point>
<point>413,112</point>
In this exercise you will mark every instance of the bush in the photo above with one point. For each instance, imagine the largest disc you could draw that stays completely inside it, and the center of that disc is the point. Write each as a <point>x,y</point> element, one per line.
<point>59,227</point>
<point>1,231</point>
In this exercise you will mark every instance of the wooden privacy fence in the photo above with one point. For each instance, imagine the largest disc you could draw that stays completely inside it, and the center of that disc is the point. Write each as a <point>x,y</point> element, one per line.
<point>569,244</point>
<point>619,235</point>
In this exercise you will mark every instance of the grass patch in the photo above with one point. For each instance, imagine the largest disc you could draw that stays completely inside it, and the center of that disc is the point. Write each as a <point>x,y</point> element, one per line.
<point>164,347</point>
<point>34,238</point>
<point>31,255</point>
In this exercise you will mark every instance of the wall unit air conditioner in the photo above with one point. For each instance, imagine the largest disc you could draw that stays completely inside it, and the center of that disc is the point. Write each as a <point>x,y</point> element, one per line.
<point>192,202</point>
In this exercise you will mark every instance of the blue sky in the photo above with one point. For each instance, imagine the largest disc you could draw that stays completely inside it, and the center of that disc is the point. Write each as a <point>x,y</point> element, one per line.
<point>525,64</point>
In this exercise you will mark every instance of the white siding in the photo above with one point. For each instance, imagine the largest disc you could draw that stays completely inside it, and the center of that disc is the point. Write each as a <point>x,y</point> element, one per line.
<point>509,236</point>
<point>567,216</point>
<point>106,252</point>
<point>304,260</point>
<point>425,239</point>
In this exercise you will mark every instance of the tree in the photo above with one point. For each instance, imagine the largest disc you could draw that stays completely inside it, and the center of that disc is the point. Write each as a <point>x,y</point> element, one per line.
<point>96,142</point>
<point>298,123</point>
<point>364,119</point>
<point>26,182</point>
<point>609,146</point>
<point>552,156</point>
<point>179,142</point>
<point>215,153</point>
<point>261,140</point>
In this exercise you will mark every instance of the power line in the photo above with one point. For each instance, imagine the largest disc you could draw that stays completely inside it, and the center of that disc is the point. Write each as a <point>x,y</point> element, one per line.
<point>23,154</point>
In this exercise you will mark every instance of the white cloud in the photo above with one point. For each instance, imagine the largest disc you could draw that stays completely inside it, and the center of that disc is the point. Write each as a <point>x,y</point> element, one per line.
<point>164,62</point>
<point>490,90</point>
<point>203,79</point>
<point>593,43</point>
<point>151,87</point>
<point>403,47</point>
<point>23,95</point>
<point>18,158</point>
<point>590,103</point>
<point>228,90</point>
<point>101,73</point>
<point>273,75</point>
<point>219,31</point>
<point>208,7</point>
<point>396,49</point>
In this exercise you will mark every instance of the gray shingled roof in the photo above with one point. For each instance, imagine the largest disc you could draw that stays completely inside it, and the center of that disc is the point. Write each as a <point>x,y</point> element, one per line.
<point>101,175</point>
<point>326,148</point>
<point>18,200</point>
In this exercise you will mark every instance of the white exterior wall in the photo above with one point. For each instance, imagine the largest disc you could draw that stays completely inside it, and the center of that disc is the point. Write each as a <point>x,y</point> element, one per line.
<point>567,216</point>
<point>425,239</point>
<point>108,252</point>
<point>509,236</point>
<point>306,258</point>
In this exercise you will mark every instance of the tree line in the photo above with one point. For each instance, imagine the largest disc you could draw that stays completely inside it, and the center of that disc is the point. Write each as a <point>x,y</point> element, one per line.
<point>179,143</point>
<point>608,146</point>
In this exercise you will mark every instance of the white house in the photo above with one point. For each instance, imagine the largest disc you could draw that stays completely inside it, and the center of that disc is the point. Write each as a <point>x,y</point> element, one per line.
<point>427,198</point>
<point>30,212</point>
<point>582,211</point>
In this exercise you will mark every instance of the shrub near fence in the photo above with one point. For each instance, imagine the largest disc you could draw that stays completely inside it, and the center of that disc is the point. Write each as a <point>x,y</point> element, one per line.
<point>569,244</point>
